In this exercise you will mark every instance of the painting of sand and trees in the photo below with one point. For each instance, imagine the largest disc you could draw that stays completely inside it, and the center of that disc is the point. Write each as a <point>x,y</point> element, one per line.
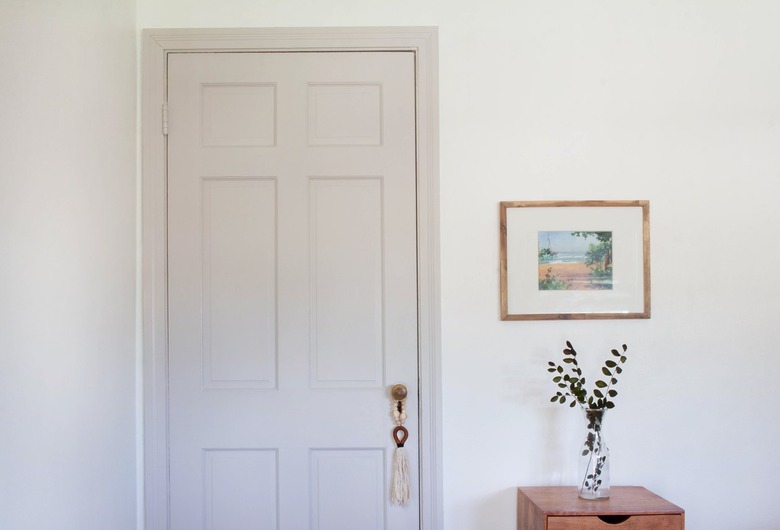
<point>575,260</point>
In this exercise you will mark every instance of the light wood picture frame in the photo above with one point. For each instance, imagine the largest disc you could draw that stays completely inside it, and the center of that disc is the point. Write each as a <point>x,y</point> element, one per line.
<point>574,260</point>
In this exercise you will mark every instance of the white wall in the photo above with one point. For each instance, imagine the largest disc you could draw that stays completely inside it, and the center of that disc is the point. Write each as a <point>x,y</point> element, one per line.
<point>67,265</point>
<point>671,101</point>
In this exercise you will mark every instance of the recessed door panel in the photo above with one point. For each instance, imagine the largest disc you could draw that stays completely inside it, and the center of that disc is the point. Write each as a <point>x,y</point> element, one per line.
<point>346,319</point>
<point>239,283</point>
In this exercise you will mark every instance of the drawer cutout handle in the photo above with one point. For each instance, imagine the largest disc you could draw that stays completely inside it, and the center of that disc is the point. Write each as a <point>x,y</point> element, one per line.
<point>614,519</point>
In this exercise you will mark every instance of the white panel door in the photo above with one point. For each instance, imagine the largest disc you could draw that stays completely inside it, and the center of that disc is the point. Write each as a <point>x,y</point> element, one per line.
<point>292,288</point>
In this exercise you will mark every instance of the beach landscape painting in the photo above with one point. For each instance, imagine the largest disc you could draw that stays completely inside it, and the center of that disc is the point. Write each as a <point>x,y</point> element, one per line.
<point>575,260</point>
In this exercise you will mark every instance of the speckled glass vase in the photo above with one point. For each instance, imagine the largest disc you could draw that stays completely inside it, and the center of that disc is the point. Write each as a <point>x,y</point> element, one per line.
<point>594,459</point>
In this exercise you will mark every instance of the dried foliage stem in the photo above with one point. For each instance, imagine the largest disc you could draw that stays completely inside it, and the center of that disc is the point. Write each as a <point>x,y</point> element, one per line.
<point>572,383</point>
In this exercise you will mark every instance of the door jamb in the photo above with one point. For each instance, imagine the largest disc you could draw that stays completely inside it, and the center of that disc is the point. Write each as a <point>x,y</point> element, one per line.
<point>157,43</point>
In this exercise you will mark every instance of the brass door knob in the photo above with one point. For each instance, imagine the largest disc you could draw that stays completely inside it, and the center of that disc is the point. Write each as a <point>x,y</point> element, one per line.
<point>399,392</point>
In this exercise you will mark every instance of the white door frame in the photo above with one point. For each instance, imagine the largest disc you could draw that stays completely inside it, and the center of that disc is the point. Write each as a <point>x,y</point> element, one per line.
<point>157,43</point>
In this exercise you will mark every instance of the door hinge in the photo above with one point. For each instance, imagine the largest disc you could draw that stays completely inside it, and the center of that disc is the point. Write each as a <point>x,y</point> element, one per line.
<point>165,119</point>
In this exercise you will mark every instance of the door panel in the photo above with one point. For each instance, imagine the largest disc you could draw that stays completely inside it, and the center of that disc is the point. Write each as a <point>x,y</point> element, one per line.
<point>239,283</point>
<point>346,489</point>
<point>292,288</point>
<point>345,226</point>
<point>240,489</point>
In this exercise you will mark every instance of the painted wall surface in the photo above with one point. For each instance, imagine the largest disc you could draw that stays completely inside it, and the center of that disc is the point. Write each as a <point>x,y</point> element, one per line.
<point>67,265</point>
<point>671,101</point>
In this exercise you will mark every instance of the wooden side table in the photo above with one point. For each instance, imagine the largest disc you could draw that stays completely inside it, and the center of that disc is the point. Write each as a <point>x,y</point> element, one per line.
<point>628,507</point>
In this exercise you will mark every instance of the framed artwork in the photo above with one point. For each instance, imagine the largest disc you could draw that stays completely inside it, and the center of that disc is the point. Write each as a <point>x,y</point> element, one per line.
<point>564,260</point>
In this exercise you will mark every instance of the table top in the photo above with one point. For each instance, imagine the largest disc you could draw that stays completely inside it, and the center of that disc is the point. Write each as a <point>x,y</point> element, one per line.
<point>623,500</point>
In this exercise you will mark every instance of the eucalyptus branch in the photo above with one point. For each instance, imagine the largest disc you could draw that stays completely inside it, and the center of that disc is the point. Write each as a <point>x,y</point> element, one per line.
<point>572,383</point>
<point>611,369</point>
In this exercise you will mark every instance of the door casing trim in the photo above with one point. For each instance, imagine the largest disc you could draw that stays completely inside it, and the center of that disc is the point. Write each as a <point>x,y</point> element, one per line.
<point>157,43</point>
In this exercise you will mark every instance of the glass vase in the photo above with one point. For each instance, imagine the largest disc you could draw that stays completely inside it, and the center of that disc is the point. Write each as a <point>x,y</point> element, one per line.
<point>594,459</point>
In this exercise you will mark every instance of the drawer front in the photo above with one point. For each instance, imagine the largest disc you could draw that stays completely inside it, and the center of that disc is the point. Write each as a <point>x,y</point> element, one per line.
<point>634,522</point>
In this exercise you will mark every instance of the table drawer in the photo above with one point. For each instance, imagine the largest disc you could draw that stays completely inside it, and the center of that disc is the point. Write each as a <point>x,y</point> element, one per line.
<point>633,522</point>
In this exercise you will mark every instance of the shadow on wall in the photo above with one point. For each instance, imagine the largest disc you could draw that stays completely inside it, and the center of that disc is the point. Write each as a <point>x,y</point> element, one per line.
<point>548,468</point>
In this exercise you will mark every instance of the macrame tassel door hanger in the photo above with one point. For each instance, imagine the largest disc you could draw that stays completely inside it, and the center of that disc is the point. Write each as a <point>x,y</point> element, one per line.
<point>400,490</point>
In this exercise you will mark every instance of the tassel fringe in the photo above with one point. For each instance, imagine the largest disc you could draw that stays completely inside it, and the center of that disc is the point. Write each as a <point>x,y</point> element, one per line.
<point>399,492</point>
